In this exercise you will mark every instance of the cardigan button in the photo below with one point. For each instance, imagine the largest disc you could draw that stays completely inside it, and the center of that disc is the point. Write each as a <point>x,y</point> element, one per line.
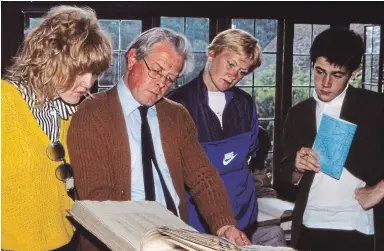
<point>122,192</point>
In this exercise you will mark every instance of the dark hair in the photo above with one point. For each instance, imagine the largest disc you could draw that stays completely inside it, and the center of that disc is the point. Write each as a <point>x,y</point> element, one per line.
<point>340,47</point>
<point>262,153</point>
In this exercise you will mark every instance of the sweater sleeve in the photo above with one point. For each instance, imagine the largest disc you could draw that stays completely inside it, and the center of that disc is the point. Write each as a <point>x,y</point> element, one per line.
<point>203,180</point>
<point>87,147</point>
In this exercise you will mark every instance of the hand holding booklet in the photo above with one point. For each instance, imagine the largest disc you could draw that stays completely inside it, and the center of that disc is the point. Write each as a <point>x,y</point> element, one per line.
<point>145,226</point>
<point>332,143</point>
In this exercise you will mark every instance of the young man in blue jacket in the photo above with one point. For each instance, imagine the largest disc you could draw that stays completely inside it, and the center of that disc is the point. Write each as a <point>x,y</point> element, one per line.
<point>227,122</point>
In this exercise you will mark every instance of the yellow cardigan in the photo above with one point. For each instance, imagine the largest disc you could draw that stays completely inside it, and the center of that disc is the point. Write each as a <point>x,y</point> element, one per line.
<point>33,200</point>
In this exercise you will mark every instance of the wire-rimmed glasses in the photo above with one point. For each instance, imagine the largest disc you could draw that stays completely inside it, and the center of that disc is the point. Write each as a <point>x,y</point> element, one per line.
<point>169,81</point>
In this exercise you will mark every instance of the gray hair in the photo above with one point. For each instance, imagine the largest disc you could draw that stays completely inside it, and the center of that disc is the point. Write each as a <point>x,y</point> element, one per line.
<point>146,40</point>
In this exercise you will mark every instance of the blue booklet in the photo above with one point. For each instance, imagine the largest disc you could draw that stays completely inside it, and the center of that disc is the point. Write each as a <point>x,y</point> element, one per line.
<point>332,143</point>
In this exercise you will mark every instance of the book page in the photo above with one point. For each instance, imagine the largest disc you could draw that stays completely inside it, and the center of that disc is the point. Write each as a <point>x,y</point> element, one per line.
<point>191,240</point>
<point>122,225</point>
<point>273,208</point>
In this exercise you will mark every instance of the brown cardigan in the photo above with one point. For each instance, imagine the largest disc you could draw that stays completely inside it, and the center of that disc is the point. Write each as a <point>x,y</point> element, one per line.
<point>98,146</point>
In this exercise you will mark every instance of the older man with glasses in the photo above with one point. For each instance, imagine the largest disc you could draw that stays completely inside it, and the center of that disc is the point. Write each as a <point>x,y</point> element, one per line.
<point>130,143</point>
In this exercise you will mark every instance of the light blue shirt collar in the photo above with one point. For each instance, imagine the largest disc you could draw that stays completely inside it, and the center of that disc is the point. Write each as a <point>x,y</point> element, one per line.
<point>128,102</point>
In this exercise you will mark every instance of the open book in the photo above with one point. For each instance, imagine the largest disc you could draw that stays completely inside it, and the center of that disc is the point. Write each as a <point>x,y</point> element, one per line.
<point>146,226</point>
<point>332,143</point>
<point>273,211</point>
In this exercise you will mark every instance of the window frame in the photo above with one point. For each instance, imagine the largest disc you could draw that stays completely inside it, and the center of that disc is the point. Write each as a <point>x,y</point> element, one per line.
<point>151,12</point>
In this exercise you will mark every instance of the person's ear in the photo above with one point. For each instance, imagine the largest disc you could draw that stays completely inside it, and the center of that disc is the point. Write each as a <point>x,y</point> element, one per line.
<point>354,74</point>
<point>131,59</point>
<point>210,55</point>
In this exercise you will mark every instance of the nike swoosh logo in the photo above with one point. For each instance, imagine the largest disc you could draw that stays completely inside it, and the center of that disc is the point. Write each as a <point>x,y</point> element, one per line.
<point>226,161</point>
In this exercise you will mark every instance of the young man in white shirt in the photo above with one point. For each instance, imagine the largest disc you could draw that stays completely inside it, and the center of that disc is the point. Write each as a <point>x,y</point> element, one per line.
<point>331,214</point>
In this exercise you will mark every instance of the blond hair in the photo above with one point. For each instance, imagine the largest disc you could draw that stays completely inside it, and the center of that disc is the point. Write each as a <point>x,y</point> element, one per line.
<point>68,42</point>
<point>240,42</point>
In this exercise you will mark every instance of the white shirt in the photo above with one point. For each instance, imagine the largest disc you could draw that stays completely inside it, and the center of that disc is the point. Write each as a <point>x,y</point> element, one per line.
<point>216,101</point>
<point>331,203</point>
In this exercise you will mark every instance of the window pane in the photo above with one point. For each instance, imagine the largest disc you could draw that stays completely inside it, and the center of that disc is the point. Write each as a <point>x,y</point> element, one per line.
<point>266,73</point>
<point>174,23</point>
<point>317,29</point>
<point>32,23</point>
<point>246,81</point>
<point>371,56</point>
<point>368,68</point>
<point>112,28</point>
<point>122,33</point>
<point>311,90</point>
<point>197,31</point>
<point>200,60</point>
<point>369,40</point>
<point>265,101</point>
<point>299,94</point>
<point>375,69</point>
<point>311,78</point>
<point>110,77</point>
<point>244,24</point>
<point>301,70</point>
<point>269,165</point>
<point>376,40</point>
<point>266,32</point>
<point>130,29</point>
<point>122,63</point>
<point>375,88</point>
<point>302,38</point>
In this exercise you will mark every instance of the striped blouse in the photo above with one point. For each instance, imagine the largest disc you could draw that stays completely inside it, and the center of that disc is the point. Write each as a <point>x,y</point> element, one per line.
<point>50,115</point>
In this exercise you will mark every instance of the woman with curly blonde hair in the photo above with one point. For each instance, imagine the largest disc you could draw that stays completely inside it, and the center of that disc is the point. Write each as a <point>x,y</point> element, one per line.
<point>56,65</point>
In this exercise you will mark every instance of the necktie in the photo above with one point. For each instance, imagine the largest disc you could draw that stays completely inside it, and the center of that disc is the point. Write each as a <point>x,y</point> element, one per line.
<point>148,156</point>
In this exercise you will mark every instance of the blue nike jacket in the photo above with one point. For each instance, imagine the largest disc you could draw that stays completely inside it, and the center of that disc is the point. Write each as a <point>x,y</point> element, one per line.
<point>228,147</point>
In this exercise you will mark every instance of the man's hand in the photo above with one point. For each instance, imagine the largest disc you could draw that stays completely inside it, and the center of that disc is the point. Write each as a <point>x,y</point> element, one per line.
<point>232,233</point>
<point>307,159</point>
<point>368,197</point>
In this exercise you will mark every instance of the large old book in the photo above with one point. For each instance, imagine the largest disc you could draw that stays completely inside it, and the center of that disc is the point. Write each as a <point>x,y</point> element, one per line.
<point>136,226</point>
<point>273,211</point>
<point>332,143</point>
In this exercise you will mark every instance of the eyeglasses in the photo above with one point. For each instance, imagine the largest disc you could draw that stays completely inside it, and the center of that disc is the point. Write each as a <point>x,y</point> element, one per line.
<point>56,152</point>
<point>157,74</point>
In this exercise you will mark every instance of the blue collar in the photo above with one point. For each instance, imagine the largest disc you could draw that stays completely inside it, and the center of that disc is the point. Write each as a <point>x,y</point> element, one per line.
<point>128,102</point>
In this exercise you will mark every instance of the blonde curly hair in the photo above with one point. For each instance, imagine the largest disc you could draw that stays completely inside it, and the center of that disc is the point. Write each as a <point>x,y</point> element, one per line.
<point>68,42</point>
